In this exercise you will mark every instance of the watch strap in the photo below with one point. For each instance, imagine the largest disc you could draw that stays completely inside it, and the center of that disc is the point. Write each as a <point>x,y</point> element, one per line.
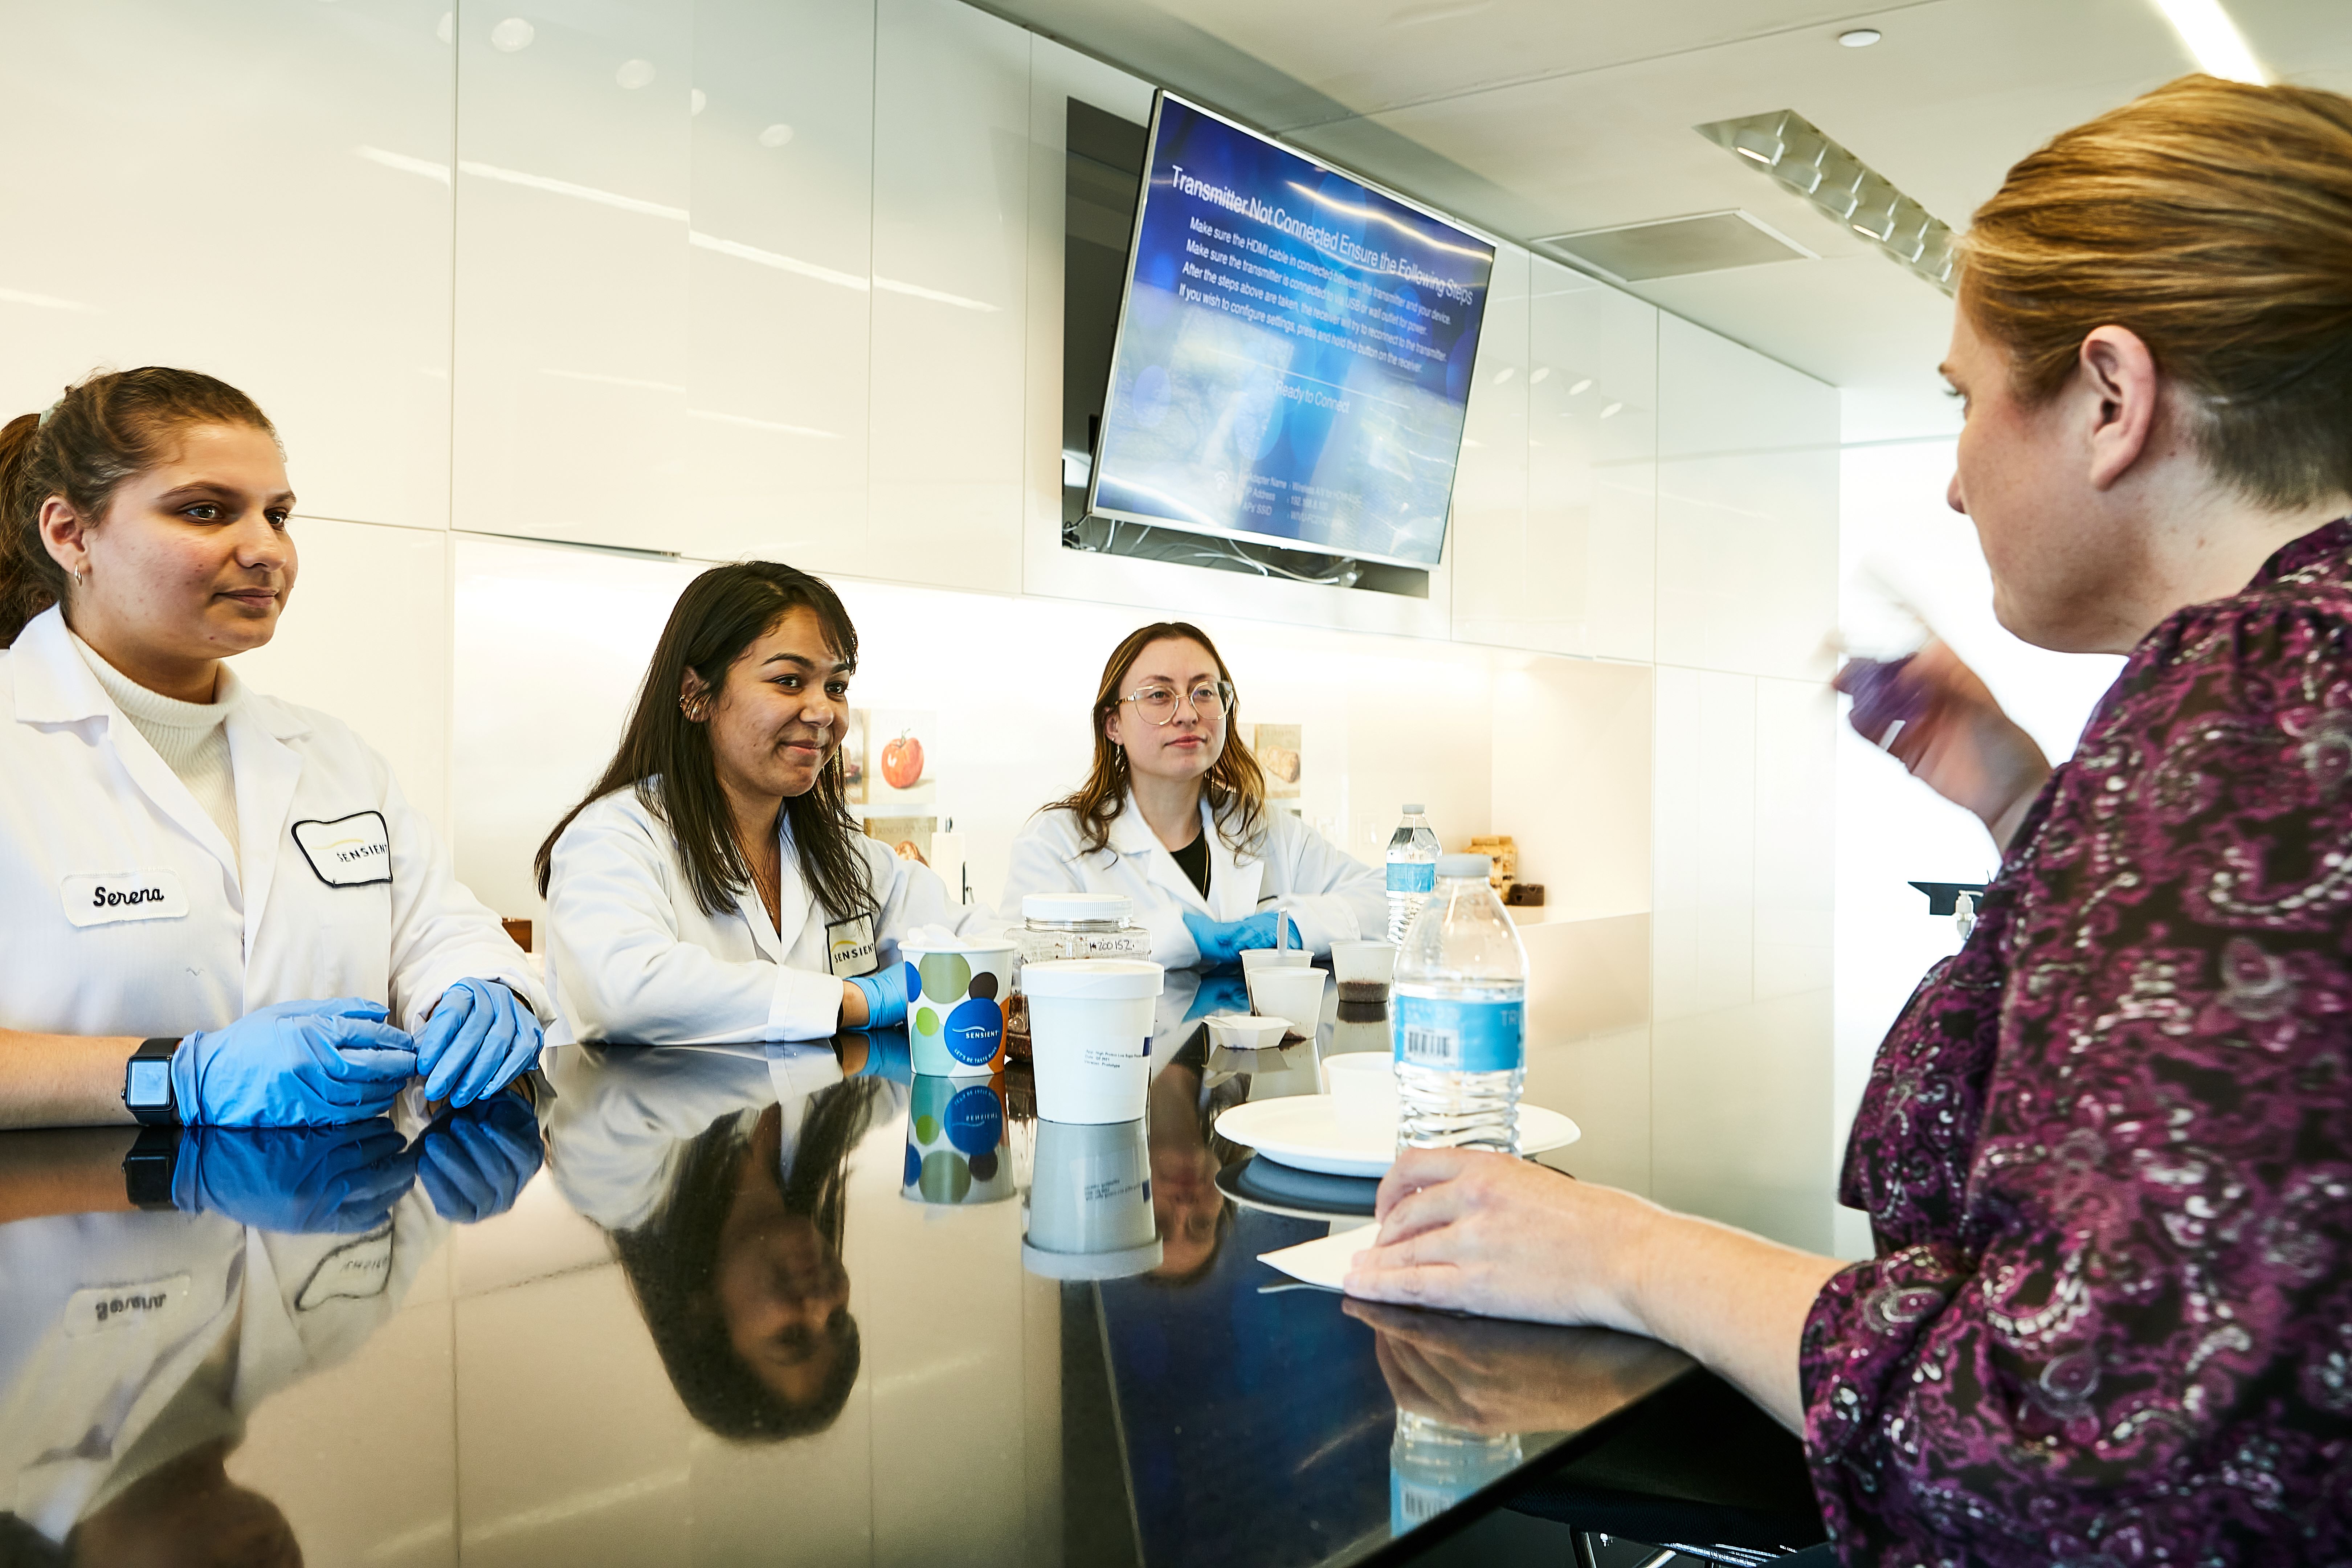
<point>150,1167</point>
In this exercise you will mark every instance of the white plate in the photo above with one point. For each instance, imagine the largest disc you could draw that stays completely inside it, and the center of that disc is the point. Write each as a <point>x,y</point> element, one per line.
<point>1301,1130</point>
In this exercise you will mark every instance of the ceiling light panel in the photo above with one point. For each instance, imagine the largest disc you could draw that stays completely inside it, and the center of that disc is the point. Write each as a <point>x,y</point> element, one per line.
<point>1792,150</point>
<point>2214,39</point>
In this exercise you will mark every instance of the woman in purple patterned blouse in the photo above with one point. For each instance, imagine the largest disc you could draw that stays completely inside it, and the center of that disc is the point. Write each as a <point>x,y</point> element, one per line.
<point>2106,1149</point>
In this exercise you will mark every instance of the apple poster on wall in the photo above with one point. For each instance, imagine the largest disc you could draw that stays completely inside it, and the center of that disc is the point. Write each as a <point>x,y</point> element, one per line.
<point>898,759</point>
<point>853,757</point>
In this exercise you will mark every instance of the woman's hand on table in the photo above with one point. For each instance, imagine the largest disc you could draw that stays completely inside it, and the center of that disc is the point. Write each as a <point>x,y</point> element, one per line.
<point>1954,738</point>
<point>1473,1231</point>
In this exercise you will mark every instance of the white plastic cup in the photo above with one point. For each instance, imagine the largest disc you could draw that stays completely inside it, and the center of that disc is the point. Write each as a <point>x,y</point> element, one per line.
<point>1091,1188</point>
<point>1091,1035</point>
<point>1256,958</point>
<point>1364,962</point>
<point>1295,995</point>
<point>955,1006</point>
<point>1363,1092</point>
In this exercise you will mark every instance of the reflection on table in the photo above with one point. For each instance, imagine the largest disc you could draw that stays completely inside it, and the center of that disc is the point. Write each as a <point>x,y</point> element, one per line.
<point>787,1302</point>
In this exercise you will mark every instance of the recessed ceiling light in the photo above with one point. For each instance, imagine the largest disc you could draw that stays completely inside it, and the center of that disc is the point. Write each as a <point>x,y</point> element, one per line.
<point>2214,39</point>
<point>1860,38</point>
<point>1580,386</point>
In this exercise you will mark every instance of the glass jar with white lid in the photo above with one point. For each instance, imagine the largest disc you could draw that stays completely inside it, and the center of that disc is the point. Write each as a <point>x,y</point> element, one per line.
<point>1068,925</point>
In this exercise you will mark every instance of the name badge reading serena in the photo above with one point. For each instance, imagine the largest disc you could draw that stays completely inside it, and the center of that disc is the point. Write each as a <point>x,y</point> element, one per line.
<point>352,851</point>
<point>103,898</point>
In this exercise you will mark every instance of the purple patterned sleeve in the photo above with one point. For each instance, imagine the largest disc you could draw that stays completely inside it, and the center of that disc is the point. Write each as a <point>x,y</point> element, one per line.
<point>2107,1149</point>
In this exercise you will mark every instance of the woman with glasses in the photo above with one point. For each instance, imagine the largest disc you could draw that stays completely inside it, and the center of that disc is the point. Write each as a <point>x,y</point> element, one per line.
<point>1173,815</point>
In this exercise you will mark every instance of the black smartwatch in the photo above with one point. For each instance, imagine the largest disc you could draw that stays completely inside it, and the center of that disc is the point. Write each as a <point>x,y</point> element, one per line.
<point>149,1169</point>
<point>147,1090</point>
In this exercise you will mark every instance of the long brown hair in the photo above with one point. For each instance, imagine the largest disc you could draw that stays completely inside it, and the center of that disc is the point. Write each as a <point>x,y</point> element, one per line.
<point>2214,220</point>
<point>666,757</point>
<point>108,427</point>
<point>1234,784</point>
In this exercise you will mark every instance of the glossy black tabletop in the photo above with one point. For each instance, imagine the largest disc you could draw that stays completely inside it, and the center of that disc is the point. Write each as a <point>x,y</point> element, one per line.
<point>776,1304</point>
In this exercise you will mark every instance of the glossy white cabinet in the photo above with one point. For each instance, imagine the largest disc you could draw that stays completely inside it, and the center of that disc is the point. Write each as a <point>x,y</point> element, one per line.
<point>951,249</point>
<point>781,288</point>
<point>572,195</point>
<point>1748,488</point>
<point>234,187</point>
<point>1489,542</point>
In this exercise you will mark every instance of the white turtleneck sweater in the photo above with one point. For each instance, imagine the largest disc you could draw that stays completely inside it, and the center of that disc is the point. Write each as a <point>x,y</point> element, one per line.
<point>191,737</point>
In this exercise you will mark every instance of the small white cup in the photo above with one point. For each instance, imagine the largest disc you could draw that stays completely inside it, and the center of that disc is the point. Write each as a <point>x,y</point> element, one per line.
<point>1293,994</point>
<point>1363,1091</point>
<point>1366,961</point>
<point>1256,958</point>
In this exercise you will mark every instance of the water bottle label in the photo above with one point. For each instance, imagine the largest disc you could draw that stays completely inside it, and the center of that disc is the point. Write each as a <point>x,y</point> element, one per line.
<point>1460,1036</point>
<point>1412,877</point>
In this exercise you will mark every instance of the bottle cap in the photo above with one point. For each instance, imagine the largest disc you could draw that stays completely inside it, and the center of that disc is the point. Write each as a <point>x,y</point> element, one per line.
<point>1478,865</point>
<point>1414,810</point>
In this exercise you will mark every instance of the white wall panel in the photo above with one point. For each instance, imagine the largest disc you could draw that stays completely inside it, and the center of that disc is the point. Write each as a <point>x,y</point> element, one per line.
<point>779,263</point>
<point>1705,830</point>
<point>949,296</point>
<point>1572,744</point>
<point>366,637</point>
<point>1593,420</point>
<point>1746,509</point>
<point>255,190</point>
<point>1489,542</point>
<point>573,189</point>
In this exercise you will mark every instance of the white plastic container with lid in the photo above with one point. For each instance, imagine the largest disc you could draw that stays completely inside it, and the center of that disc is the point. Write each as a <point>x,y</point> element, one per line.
<point>1091,1035</point>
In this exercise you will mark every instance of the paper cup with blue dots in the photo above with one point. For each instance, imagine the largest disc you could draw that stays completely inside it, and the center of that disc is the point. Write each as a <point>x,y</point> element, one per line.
<point>957,1151</point>
<point>955,1004</point>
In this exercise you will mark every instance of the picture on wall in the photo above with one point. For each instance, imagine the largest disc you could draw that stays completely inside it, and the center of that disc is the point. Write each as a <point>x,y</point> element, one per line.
<point>1276,747</point>
<point>900,770</point>
<point>853,757</point>
<point>903,834</point>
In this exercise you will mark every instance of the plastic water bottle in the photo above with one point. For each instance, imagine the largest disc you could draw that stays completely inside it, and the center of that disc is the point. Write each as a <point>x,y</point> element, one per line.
<point>1460,1016</point>
<point>1412,869</point>
<point>1433,1467</point>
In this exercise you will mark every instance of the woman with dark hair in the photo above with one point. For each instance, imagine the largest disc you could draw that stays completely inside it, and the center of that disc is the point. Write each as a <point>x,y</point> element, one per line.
<point>713,886</point>
<point>1173,815</point>
<point>722,1180</point>
<point>2106,1149</point>
<point>214,907</point>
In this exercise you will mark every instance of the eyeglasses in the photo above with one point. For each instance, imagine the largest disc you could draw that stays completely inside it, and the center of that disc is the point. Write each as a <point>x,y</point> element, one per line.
<point>1159,703</point>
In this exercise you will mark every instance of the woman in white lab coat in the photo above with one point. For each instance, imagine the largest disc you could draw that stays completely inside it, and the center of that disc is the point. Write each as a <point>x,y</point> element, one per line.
<point>1173,814</point>
<point>713,887</point>
<point>214,907</point>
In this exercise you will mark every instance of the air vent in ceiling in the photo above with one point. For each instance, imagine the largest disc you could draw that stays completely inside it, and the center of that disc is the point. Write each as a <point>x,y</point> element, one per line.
<point>1675,246</point>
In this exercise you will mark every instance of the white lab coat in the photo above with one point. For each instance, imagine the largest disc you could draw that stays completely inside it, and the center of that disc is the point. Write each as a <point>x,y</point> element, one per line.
<point>105,1319</point>
<point>632,955</point>
<point>1333,896</point>
<point>198,936</point>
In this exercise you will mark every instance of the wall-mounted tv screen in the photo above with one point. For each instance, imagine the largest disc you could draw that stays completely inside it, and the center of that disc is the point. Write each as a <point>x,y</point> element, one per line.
<point>1294,351</point>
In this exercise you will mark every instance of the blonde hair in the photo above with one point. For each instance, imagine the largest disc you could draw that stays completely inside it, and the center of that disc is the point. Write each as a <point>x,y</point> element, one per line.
<point>2213,219</point>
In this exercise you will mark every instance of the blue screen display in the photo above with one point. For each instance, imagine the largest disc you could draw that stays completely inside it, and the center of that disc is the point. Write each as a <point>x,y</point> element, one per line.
<point>1293,355</point>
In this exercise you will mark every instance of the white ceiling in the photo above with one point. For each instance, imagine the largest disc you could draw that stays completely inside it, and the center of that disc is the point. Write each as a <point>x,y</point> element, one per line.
<point>1542,117</point>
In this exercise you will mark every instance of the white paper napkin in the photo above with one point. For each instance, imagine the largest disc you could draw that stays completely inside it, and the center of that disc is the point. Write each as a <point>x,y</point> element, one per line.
<point>1325,1262</point>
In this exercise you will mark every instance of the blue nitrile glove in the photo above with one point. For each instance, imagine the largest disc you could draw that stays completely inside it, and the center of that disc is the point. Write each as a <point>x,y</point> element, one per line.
<point>475,1162</point>
<point>294,1064</point>
<point>885,995</point>
<point>294,1179</point>
<point>480,1037</point>
<point>1219,993</point>
<point>1222,941</point>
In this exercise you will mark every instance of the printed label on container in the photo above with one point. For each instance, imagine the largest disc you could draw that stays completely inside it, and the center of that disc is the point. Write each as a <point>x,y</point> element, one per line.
<point>1460,1036</point>
<point>1412,876</point>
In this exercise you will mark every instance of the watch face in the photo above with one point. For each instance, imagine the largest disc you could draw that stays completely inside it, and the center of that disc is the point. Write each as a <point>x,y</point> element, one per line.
<point>150,1084</point>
